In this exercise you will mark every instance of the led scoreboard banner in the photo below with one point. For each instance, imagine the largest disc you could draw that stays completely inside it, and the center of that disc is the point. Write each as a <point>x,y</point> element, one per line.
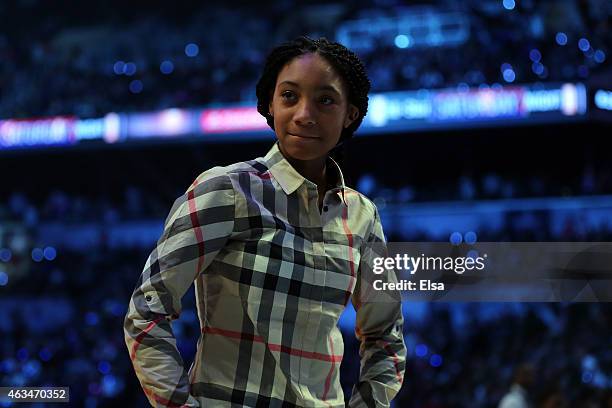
<point>401,111</point>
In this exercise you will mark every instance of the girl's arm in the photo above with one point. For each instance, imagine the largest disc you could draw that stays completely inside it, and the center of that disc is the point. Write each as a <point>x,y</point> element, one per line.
<point>379,330</point>
<point>198,226</point>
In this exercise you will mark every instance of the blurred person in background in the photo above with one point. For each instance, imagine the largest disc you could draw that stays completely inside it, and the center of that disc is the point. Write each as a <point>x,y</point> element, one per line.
<point>518,396</point>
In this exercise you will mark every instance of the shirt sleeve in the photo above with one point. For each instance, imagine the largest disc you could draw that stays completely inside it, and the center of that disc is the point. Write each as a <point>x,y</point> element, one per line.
<point>379,329</point>
<point>198,226</point>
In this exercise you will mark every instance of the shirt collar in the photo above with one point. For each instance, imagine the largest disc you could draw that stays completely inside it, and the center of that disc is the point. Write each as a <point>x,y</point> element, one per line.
<point>289,178</point>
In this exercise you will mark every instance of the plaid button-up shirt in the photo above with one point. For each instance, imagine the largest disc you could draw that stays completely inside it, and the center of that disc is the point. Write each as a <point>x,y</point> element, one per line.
<point>272,275</point>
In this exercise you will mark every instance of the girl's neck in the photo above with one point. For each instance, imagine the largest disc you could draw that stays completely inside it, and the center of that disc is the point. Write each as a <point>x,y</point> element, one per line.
<point>313,170</point>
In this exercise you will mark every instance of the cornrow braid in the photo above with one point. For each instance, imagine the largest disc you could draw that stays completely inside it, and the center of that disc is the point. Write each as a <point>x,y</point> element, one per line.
<point>343,60</point>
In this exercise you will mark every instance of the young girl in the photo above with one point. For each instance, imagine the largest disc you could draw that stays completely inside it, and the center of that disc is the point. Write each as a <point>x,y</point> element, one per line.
<point>274,247</point>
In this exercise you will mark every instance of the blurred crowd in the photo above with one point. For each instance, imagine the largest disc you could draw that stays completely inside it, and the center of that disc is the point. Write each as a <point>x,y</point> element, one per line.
<point>491,186</point>
<point>135,202</point>
<point>161,56</point>
<point>482,345</point>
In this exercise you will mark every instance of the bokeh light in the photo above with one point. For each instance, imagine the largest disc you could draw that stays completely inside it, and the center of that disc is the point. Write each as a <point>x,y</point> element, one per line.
<point>456,238</point>
<point>435,360</point>
<point>37,254</point>
<point>136,86</point>
<point>192,50</point>
<point>402,41</point>
<point>166,67</point>
<point>561,38</point>
<point>49,253</point>
<point>421,350</point>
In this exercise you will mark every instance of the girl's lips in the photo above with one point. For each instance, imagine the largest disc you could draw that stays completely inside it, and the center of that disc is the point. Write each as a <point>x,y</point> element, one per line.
<point>303,136</point>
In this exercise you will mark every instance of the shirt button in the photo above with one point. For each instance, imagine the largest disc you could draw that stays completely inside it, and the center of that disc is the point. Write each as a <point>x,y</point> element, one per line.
<point>325,208</point>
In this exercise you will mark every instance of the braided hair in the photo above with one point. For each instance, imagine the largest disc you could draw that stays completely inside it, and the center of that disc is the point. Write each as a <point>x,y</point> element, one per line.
<point>343,60</point>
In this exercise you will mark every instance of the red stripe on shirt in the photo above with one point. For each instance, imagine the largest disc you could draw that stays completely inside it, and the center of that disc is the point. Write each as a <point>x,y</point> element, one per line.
<point>331,371</point>
<point>137,343</point>
<point>395,360</point>
<point>196,226</point>
<point>141,335</point>
<point>163,401</point>
<point>274,347</point>
<point>265,175</point>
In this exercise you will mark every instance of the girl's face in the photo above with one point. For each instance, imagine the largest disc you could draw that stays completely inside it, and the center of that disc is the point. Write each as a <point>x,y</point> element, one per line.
<point>310,107</point>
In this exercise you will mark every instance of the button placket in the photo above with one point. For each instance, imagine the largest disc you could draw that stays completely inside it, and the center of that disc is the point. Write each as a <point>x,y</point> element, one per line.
<point>316,303</point>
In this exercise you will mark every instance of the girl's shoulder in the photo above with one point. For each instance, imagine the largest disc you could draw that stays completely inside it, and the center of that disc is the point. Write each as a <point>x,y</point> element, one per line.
<point>225,172</point>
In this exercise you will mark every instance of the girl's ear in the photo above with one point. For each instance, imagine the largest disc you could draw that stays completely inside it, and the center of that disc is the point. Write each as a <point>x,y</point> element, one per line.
<point>353,114</point>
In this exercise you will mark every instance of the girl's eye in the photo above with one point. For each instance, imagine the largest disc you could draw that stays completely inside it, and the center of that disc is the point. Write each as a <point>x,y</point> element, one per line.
<point>326,100</point>
<point>288,95</point>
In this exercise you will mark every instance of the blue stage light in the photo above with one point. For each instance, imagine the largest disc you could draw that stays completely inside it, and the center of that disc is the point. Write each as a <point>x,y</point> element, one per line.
<point>421,350</point>
<point>118,67</point>
<point>91,318</point>
<point>31,368</point>
<point>435,360</point>
<point>166,67</point>
<point>561,38</point>
<point>456,238</point>
<point>110,385</point>
<point>192,50</point>
<point>8,365</point>
<point>136,86</point>
<point>37,255</point>
<point>5,254</point>
<point>584,44</point>
<point>537,68</point>
<point>402,41</point>
<point>470,237</point>
<point>463,87</point>
<point>472,253</point>
<point>535,55</point>
<point>509,4</point>
<point>104,367</point>
<point>129,69</point>
<point>49,253</point>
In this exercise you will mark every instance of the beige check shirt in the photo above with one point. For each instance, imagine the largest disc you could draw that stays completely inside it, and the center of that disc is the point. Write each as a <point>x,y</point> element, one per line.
<point>272,276</point>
